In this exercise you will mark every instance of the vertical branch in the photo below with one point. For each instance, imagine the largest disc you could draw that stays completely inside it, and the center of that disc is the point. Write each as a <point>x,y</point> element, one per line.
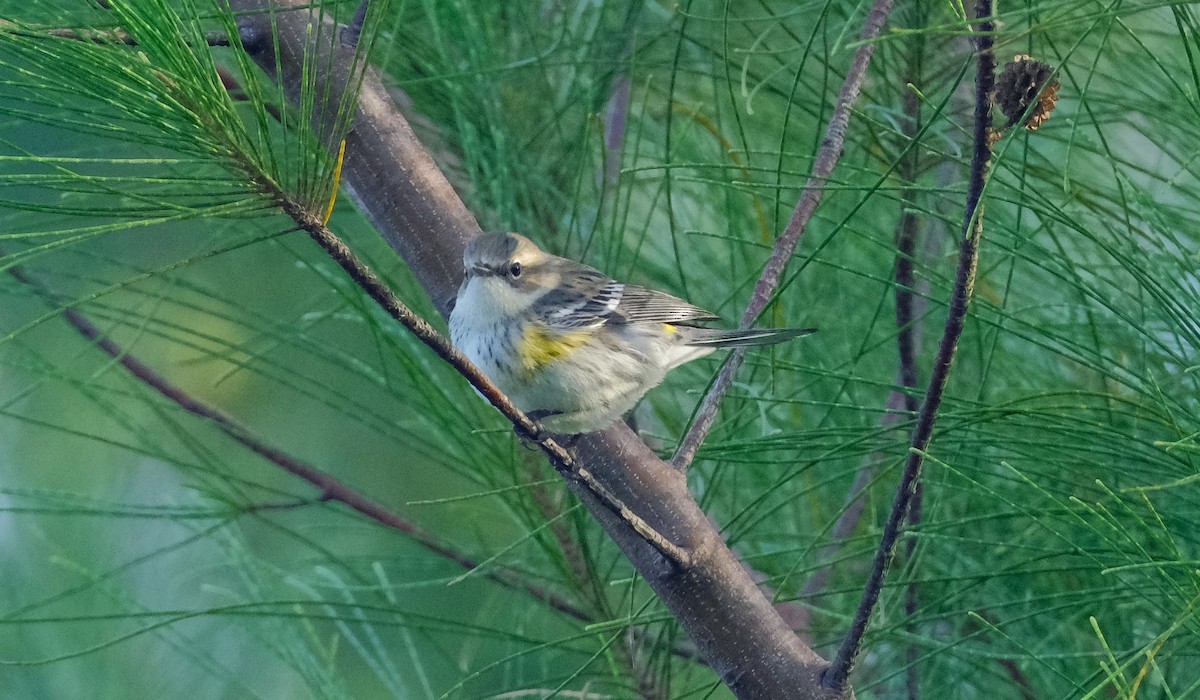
<point>827,158</point>
<point>837,675</point>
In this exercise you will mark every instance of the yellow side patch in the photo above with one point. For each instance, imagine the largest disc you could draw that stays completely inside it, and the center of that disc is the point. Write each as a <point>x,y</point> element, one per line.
<point>540,347</point>
<point>670,329</point>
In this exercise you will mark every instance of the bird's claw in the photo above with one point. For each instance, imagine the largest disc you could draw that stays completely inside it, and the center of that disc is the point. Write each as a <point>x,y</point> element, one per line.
<point>538,434</point>
<point>532,437</point>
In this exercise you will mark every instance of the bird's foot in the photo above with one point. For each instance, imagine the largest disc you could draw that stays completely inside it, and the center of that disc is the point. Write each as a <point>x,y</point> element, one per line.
<point>540,434</point>
<point>531,439</point>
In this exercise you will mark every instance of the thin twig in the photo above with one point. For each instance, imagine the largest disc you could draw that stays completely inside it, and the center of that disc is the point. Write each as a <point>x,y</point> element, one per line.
<point>330,488</point>
<point>837,675</point>
<point>827,158</point>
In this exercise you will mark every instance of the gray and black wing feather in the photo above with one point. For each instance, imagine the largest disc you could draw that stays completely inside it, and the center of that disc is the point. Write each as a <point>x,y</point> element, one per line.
<point>587,298</point>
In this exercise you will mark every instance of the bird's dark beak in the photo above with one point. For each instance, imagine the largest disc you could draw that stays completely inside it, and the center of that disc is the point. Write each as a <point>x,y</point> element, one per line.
<point>478,270</point>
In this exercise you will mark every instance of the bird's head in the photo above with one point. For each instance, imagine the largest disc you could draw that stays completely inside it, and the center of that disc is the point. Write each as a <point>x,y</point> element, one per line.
<point>510,269</point>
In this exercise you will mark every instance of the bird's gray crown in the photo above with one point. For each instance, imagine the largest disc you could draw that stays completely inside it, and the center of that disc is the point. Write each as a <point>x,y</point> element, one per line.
<point>495,250</point>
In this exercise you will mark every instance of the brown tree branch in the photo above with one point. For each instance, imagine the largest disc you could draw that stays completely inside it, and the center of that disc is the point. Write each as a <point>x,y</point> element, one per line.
<point>399,188</point>
<point>768,282</point>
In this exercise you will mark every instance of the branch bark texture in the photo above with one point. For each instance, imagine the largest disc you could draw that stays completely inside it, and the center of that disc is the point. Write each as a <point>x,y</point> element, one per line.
<point>398,186</point>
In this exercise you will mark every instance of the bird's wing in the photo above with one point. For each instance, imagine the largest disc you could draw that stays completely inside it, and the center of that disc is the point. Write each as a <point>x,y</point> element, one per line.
<point>585,298</point>
<point>641,305</point>
<point>588,298</point>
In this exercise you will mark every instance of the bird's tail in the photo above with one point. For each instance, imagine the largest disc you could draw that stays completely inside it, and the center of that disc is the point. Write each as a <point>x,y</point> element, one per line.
<point>721,338</point>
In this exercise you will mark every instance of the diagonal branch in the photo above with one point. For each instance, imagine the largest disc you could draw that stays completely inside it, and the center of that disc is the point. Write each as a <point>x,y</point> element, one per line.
<point>964,283</point>
<point>768,282</point>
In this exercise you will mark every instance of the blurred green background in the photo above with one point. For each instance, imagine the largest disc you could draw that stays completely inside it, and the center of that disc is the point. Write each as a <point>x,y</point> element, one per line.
<point>145,554</point>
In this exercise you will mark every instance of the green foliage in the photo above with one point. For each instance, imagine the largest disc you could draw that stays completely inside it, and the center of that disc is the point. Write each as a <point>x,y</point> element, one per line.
<point>147,554</point>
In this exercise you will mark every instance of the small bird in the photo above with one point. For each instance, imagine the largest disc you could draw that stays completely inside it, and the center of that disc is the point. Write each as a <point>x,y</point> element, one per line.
<point>569,345</point>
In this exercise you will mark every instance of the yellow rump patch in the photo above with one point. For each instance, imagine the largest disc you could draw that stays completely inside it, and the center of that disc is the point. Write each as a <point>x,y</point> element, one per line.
<point>540,347</point>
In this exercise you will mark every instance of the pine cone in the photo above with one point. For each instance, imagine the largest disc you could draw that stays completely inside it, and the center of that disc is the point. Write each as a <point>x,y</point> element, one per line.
<point>1019,84</point>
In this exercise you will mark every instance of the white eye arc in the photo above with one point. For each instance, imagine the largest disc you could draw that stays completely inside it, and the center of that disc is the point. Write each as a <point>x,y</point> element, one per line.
<point>514,270</point>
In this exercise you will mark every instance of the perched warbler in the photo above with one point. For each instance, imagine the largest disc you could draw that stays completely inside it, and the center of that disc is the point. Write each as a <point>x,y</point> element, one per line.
<point>568,344</point>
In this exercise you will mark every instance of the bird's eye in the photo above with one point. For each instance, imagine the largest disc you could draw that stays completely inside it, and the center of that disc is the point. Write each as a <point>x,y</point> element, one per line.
<point>514,270</point>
